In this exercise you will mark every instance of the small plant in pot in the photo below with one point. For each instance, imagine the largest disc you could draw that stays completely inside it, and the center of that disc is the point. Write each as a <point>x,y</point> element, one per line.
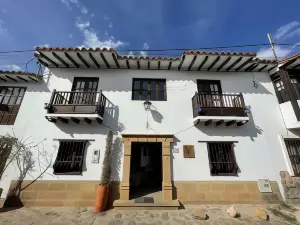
<point>103,187</point>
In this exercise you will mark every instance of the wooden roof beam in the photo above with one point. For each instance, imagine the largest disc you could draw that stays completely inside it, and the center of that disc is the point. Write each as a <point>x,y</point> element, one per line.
<point>214,63</point>
<point>289,63</point>
<point>192,62</point>
<point>94,60</point>
<point>158,67</point>
<point>1,78</point>
<point>116,61</point>
<point>249,67</point>
<point>36,80</point>
<point>295,67</point>
<point>244,64</point>
<point>127,63</point>
<point>224,63</point>
<point>21,78</point>
<point>104,60</point>
<point>234,64</point>
<point>180,64</point>
<point>11,78</point>
<point>138,64</point>
<point>170,64</point>
<point>82,60</point>
<point>71,60</point>
<point>262,68</point>
<point>60,59</point>
<point>48,59</point>
<point>203,62</point>
<point>43,63</point>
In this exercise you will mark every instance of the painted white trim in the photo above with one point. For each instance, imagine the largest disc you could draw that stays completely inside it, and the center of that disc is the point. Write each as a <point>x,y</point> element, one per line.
<point>218,118</point>
<point>286,154</point>
<point>78,116</point>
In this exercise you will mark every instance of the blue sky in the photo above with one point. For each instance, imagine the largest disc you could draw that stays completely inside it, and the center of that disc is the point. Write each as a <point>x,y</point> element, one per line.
<point>138,25</point>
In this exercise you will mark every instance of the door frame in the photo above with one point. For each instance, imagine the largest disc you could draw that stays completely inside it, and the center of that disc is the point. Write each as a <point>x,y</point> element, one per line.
<point>127,139</point>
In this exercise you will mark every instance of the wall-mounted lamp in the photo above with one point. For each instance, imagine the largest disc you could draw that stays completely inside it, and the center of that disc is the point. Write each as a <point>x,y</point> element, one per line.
<point>147,105</point>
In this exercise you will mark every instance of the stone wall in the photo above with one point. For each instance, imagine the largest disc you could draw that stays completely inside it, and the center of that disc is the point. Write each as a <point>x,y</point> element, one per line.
<point>83,193</point>
<point>60,193</point>
<point>291,187</point>
<point>224,192</point>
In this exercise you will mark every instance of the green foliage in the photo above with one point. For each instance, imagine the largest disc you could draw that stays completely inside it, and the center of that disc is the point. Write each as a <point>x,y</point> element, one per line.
<point>106,166</point>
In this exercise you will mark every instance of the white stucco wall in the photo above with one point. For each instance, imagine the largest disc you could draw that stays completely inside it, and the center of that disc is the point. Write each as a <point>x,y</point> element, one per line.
<point>258,150</point>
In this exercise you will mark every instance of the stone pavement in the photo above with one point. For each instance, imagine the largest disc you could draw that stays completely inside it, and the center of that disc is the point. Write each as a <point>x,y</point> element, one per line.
<point>279,215</point>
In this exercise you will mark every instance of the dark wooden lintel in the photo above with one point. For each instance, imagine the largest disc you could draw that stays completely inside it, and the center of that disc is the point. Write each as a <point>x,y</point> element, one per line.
<point>71,60</point>
<point>180,64</point>
<point>99,120</point>
<point>75,120</point>
<point>234,64</point>
<point>192,62</point>
<point>127,62</point>
<point>262,68</point>
<point>60,59</point>
<point>229,123</point>
<point>244,64</point>
<point>11,78</point>
<point>21,78</point>
<point>82,60</point>
<point>1,78</point>
<point>203,62</point>
<point>94,60</point>
<point>208,122</point>
<point>224,63</point>
<point>170,64</point>
<point>214,63</point>
<point>138,64</point>
<point>289,63</point>
<point>87,120</point>
<point>219,122</point>
<point>48,59</point>
<point>116,61</point>
<point>104,60</point>
<point>63,120</point>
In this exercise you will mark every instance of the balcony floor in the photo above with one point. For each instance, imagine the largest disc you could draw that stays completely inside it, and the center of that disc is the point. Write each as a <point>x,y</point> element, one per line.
<point>225,119</point>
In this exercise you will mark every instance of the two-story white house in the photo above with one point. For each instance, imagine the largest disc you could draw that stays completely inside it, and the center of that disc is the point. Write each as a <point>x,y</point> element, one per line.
<point>203,128</point>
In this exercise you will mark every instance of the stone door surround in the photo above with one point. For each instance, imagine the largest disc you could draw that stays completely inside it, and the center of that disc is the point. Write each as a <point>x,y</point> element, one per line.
<point>166,140</point>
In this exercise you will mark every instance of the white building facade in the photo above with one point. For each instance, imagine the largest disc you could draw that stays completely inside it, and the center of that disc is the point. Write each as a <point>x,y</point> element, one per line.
<point>214,116</point>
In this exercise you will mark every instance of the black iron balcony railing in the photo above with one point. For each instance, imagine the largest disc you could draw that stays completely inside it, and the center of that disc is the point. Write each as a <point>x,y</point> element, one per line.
<point>74,102</point>
<point>218,105</point>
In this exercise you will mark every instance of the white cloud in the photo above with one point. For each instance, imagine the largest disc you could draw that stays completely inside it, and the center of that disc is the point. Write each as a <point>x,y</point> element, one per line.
<point>82,24</point>
<point>83,10</point>
<point>131,53</point>
<point>67,4</point>
<point>143,53</point>
<point>13,67</point>
<point>293,33</point>
<point>91,40</point>
<point>284,31</point>
<point>3,29</point>
<point>71,35</point>
<point>105,17</point>
<point>146,46</point>
<point>110,25</point>
<point>281,52</point>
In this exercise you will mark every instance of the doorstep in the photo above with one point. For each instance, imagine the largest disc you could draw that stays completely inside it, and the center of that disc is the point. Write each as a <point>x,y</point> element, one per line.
<point>157,205</point>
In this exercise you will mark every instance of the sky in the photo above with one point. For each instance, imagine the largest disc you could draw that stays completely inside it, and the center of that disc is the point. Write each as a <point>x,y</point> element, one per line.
<point>129,25</point>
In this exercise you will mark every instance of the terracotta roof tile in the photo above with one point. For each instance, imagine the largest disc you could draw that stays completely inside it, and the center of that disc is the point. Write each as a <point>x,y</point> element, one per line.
<point>45,49</point>
<point>197,52</point>
<point>289,58</point>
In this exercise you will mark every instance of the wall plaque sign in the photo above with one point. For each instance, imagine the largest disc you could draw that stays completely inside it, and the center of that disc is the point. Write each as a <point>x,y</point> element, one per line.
<point>188,151</point>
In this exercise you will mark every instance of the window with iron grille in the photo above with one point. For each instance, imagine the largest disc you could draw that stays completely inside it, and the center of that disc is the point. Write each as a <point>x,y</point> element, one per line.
<point>149,89</point>
<point>293,149</point>
<point>70,157</point>
<point>10,102</point>
<point>222,159</point>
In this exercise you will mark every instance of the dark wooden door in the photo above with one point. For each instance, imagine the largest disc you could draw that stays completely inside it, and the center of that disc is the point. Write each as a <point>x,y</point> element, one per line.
<point>211,92</point>
<point>87,90</point>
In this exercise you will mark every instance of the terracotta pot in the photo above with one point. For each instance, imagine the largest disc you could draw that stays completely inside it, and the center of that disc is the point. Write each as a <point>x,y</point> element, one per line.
<point>101,198</point>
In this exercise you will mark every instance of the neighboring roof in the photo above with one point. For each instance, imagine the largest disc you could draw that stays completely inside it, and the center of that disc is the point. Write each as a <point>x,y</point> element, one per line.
<point>292,62</point>
<point>18,76</point>
<point>192,60</point>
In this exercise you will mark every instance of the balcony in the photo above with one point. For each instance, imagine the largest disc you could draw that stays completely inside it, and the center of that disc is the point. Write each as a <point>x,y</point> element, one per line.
<point>220,109</point>
<point>76,106</point>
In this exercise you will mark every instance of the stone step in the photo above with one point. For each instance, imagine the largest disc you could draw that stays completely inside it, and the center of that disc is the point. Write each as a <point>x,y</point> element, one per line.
<point>157,205</point>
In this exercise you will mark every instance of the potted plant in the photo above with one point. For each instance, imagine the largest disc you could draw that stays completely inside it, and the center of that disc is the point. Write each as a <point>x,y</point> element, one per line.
<point>103,187</point>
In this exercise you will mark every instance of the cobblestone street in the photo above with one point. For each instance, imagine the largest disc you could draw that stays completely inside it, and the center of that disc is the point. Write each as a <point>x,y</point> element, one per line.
<point>216,215</point>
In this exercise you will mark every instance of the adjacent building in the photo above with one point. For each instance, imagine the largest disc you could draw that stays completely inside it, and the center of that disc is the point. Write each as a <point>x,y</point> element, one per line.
<point>203,128</point>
